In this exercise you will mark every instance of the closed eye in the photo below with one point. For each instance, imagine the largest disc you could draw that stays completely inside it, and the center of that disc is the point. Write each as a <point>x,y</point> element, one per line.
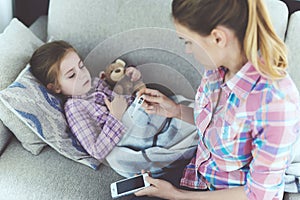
<point>71,76</point>
<point>81,65</point>
<point>185,42</point>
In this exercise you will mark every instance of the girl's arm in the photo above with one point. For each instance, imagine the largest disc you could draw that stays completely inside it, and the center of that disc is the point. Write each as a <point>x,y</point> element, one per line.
<point>117,106</point>
<point>97,130</point>
<point>133,73</point>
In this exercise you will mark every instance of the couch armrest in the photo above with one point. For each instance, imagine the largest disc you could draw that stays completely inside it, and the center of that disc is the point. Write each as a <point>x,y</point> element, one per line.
<point>39,27</point>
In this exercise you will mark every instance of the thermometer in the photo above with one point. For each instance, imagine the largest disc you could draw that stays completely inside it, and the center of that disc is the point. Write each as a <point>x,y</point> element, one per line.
<point>139,103</point>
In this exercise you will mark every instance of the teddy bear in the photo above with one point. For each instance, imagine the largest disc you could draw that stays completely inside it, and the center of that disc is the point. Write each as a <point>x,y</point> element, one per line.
<point>119,82</point>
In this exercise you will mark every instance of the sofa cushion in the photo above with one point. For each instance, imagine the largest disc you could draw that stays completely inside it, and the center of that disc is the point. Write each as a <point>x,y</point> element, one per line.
<point>293,44</point>
<point>127,15</point>
<point>159,54</point>
<point>90,21</point>
<point>17,43</point>
<point>39,27</point>
<point>279,16</point>
<point>29,101</point>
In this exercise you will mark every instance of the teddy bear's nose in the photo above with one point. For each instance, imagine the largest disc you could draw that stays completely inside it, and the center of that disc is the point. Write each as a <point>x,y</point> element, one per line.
<point>118,71</point>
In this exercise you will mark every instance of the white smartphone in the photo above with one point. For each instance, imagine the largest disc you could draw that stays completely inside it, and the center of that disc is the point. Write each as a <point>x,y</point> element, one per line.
<point>129,185</point>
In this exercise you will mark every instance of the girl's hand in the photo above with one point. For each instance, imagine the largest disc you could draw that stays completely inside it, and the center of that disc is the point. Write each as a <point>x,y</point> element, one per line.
<point>133,73</point>
<point>117,106</point>
<point>158,188</point>
<point>157,103</point>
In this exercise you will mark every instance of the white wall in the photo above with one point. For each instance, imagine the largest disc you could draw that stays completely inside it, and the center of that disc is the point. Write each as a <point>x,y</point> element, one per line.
<point>5,13</point>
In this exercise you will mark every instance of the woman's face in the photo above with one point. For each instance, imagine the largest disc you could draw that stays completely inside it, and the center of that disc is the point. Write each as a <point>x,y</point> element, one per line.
<point>201,47</point>
<point>74,78</point>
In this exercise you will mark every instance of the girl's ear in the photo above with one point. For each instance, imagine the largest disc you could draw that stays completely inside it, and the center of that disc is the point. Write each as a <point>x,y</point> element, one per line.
<point>53,88</point>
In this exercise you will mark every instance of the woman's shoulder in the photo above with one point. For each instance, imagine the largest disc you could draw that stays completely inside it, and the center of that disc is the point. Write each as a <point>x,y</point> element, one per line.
<point>287,88</point>
<point>279,90</point>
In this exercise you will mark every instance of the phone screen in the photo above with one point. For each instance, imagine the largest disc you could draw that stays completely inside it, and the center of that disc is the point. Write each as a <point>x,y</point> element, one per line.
<point>130,184</point>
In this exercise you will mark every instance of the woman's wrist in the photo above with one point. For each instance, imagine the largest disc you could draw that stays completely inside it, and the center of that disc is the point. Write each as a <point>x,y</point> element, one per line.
<point>185,113</point>
<point>178,111</point>
<point>178,194</point>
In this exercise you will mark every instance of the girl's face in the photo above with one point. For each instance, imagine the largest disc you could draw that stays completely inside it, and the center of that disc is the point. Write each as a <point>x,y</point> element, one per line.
<point>201,47</point>
<point>74,78</point>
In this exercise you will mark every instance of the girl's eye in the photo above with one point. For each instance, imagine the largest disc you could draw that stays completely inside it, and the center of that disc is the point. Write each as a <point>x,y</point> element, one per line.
<point>187,42</point>
<point>81,66</point>
<point>72,76</point>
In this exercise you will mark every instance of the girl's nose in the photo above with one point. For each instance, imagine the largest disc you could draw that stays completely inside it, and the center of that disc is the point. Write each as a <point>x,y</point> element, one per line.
<point>188,49</point>
<point>82,75</point>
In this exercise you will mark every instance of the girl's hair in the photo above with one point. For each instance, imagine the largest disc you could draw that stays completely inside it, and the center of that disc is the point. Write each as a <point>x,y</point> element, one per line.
<point>250,22</point>
<point>45,61</point>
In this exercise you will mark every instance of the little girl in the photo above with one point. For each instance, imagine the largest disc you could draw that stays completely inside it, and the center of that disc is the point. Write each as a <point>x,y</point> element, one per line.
<point>90,108</point>
<point>98,117</point>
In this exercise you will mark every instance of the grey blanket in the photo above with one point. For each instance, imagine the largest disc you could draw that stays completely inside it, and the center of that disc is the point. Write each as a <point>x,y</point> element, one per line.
<point>152,142</point>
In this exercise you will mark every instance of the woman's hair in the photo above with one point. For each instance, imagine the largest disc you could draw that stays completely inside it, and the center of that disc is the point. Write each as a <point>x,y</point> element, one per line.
<point>250,22</point>
<point>45,61</point>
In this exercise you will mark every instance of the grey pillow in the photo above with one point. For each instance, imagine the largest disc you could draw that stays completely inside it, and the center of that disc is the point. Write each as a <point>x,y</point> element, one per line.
<point>17,43</point>
<point>27,100</point>
<point>5,136</point>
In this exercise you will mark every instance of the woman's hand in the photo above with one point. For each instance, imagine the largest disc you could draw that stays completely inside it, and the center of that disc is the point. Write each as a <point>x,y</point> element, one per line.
<point>157,103</point>
<point>133,73</point>
<point>159,188</point>
<point>117,106</point>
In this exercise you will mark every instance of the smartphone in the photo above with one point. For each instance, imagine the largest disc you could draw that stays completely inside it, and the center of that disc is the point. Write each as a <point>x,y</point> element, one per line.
<point>129,185</point>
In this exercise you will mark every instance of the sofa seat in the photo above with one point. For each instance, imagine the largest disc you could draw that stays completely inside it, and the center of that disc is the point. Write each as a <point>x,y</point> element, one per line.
<point>50,176</point>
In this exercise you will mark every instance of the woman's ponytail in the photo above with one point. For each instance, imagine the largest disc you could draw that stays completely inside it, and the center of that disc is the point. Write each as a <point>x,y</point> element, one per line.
<point>262,46</point>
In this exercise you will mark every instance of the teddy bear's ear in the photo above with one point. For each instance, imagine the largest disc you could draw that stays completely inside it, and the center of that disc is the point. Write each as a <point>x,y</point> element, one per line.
<point>121,62</point>
<point>102,75</point>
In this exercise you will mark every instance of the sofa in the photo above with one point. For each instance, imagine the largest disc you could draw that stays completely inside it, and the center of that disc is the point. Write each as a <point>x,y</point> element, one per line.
<point>35,166</point>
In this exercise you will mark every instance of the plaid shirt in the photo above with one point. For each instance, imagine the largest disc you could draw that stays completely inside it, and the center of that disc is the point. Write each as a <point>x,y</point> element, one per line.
<point>91,122</point>
<point>248,140</point>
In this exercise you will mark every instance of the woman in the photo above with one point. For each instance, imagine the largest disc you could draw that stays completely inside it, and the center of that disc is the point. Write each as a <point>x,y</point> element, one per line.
<point>246,107</point>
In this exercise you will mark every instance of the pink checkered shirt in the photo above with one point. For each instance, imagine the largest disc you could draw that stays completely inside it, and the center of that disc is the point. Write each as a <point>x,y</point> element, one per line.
<point>248,140</point>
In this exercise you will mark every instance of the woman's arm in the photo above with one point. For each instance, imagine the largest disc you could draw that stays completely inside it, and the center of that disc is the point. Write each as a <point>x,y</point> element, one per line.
<point>276,130</point>
<point>186,114</point>
<point>165,190</point>
<point>159,104</point>
<point>233,193</point>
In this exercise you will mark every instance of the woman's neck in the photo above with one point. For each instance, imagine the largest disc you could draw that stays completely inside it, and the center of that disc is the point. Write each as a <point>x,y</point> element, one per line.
<point>235,66</point>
